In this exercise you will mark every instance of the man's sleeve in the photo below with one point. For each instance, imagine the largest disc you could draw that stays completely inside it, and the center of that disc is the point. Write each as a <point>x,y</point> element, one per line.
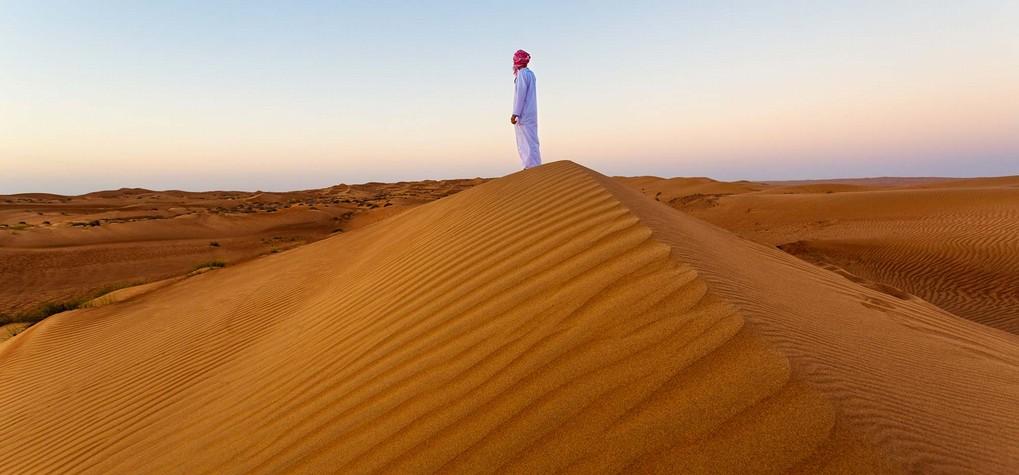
<point>520,94</point>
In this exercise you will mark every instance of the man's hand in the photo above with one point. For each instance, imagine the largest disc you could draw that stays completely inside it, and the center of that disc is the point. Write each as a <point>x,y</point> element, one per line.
<point>513,119</point>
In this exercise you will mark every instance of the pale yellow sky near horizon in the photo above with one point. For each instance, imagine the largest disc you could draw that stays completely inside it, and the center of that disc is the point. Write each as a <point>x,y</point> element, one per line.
<point>852,90</point>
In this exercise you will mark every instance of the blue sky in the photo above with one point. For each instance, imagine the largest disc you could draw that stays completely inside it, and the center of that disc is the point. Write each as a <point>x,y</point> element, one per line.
<point>285,95</point>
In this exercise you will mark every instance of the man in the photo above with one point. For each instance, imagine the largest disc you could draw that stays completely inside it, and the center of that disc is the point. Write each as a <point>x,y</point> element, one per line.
<point>525,111</point>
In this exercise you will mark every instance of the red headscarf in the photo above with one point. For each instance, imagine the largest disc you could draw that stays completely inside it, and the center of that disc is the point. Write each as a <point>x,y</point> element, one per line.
<point>520,60</point>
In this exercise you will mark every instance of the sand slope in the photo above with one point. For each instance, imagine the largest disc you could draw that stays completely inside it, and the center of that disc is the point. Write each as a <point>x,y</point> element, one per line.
<point>936,391</point>
<point>957,248</point>
<point>549,320</point>
<point>55,249</point>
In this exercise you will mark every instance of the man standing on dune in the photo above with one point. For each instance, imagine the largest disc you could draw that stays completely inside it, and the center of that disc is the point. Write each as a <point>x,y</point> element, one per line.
<point>525,111</point>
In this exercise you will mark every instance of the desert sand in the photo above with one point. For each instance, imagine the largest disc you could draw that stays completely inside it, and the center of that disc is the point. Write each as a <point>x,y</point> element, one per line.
<point>950,242</point>
<point>63,250</point>
<point>551,320</point>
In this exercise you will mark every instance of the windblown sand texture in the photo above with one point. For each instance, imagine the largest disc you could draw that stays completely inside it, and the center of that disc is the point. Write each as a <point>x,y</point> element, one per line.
<point>951,242</point>
<point>56,248</point>
<point>551,320</point>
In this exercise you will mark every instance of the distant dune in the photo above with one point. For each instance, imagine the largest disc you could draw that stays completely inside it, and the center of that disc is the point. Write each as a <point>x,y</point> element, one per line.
<point>952,242</point>
<point>551,320</point>
<point>59,250</point>
<point>882,182</point>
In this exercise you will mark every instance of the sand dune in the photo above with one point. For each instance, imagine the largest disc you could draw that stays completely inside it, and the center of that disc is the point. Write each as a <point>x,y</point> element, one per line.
<point>682,192</point>
<point>550,320</point>
<point>923,382</point>
<point>951,242</point>
<point>57,249</point>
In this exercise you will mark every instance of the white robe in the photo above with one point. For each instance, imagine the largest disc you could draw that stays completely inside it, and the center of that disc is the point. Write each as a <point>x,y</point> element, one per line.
<point>525,107</point>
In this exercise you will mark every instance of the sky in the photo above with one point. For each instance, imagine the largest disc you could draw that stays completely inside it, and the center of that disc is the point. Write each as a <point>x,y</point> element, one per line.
<point>254,95</point>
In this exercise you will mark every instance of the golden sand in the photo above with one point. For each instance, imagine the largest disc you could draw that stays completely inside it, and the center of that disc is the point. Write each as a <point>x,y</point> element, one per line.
<point>551,320</point>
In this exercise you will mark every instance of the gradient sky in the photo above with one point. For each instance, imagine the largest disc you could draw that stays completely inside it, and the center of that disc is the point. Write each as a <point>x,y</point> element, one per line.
<point>286,95</point>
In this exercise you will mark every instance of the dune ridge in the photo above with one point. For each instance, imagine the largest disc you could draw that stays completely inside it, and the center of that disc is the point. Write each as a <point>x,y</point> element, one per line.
<point>58,249</point>
<point>938,392</point>
<point>551,320</point>
<point>957,248</point>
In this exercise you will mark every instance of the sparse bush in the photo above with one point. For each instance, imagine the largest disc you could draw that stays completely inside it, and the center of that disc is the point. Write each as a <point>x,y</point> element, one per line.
<point>210,264</point>
<point>54,307</point>
<point>214,244</point>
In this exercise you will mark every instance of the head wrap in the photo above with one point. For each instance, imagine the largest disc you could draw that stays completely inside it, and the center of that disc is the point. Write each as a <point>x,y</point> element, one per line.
<point>520,60</point>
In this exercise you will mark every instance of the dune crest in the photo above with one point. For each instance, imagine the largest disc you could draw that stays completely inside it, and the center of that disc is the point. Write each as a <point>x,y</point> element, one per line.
<point>951,242</point>
<point>549,320</point>
<point>64,249</point>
